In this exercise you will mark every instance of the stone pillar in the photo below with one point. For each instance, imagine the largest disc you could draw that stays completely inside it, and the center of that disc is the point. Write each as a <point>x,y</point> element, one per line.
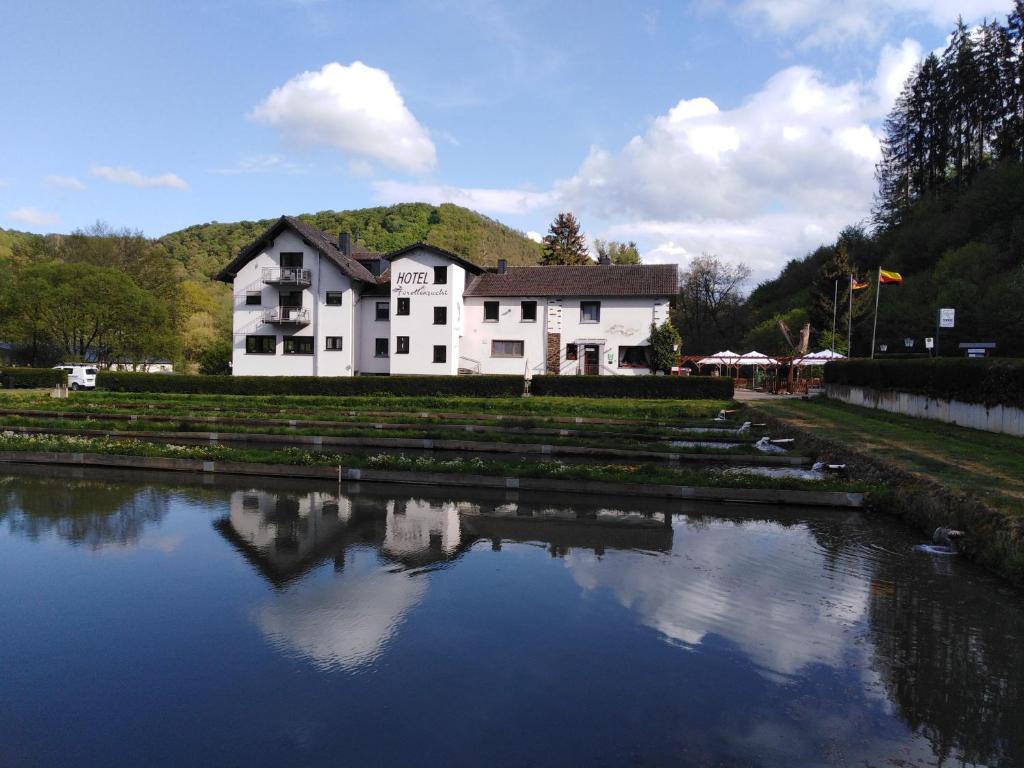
<point>554,356</point>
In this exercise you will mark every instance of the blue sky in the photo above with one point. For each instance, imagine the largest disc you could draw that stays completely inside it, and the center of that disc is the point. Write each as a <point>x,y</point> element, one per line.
<point>745,128</point>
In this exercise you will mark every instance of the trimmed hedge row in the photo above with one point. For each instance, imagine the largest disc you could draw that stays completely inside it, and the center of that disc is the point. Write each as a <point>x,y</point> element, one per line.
<point>988,381</point>
<point>640,387</point>
<point>471,386</point>
<point>24,378</point>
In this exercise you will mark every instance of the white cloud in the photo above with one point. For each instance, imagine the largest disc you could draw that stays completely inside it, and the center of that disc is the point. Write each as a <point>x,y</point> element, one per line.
<point>707,589</point>
<point>262,164</point>
<point>356,109</point>
<point>537,237</point>
<point>4,183</point>
<point>506,201</point>
<point>121,175</point>
<point>826,22</point>
<point>65,182</point>
<point>344,623</point>
<point>33,216</point>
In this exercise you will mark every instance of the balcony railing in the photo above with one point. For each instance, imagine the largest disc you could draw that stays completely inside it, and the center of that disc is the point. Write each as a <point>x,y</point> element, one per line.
<point>286,316</point>
<point>287,276</point>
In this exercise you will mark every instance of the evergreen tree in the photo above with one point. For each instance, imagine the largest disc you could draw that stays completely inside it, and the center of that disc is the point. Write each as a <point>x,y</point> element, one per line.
<point>564,243</point>
<point>616,252</point>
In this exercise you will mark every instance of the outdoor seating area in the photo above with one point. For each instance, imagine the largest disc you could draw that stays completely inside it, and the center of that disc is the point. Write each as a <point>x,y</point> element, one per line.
<point>760,372</point>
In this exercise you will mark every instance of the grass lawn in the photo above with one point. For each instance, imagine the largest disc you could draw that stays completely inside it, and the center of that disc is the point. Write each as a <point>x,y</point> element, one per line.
<point>399,406</point>
<point>983,463</point>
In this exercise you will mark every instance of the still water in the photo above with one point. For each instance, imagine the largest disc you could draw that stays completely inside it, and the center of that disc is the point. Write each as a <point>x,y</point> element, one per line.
<point>157,620</point>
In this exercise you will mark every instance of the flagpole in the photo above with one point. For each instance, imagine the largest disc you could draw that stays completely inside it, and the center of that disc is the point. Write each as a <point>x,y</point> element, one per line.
<point>849,322</point>
<point>874,328</point>
<point>835,310</point>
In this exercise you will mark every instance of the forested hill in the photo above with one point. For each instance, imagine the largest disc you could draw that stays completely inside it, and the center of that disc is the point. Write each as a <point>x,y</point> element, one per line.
<point>949,212</point>
<point>206,248</point>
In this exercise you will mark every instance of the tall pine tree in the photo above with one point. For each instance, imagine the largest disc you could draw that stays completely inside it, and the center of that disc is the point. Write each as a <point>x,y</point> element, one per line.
<point>564,242</point>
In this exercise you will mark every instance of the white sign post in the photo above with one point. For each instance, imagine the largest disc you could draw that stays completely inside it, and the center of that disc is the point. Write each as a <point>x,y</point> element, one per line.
<point>947,318</point>
<point>929,342</point>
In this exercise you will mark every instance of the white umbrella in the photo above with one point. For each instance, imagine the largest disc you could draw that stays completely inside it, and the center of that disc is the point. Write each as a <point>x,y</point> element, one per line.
<point>725,357</point>
<point>756,358</point>
<point>819,358</point>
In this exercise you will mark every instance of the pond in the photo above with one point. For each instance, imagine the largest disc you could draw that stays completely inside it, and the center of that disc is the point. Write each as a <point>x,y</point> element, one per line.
<point>158,620</point>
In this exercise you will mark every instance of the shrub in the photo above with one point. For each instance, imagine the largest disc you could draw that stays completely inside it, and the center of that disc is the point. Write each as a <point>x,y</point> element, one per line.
<point>23,378</point>
<point>989,381</point>
<point>471,386</point>
<point>641,387</point>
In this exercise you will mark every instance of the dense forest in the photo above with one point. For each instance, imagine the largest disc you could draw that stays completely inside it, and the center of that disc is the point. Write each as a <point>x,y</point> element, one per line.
<point>949,216</point>
<point>125,297</point>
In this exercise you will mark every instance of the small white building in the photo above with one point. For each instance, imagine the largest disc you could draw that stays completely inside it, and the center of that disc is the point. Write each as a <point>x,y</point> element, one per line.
<point>309,305</point>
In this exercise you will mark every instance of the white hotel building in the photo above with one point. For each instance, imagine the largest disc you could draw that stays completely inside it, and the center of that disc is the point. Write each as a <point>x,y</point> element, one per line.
<point>309,305</point>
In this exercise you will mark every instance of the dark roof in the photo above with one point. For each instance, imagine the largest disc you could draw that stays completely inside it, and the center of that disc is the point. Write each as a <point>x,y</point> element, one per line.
<point>585,280</point>
<point>465,263</point>
<point>311,235</point>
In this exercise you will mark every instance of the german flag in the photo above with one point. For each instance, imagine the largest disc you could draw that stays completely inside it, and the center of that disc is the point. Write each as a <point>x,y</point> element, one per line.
<point>885,276</point>
<point>857,285</point>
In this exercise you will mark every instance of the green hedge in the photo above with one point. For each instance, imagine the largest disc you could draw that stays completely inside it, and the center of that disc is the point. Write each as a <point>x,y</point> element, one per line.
<point>641,387</point>
<point>988,381</point>
<point>23,378</point>
<point>472,386</point>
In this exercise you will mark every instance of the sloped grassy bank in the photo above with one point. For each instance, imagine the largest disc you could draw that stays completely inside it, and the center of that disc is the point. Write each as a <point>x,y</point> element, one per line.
<point>995,532</point>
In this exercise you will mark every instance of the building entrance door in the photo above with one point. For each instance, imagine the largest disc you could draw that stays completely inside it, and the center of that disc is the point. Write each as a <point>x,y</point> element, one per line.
<point>591,360</point>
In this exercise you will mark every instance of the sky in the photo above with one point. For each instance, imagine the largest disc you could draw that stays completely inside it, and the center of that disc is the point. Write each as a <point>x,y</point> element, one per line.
<point>744,128</point>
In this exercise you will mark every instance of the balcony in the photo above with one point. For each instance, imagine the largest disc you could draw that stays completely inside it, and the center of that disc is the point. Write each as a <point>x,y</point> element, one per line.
<point>286,316</point>
<point>287,276</point>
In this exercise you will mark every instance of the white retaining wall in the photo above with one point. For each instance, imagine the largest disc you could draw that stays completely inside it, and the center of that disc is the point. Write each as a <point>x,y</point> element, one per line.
<point>999,418</point>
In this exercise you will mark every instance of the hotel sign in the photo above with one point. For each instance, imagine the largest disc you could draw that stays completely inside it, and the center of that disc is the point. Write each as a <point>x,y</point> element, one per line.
<point>416,284</point>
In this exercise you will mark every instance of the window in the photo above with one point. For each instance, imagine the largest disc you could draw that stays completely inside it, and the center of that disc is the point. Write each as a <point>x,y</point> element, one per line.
<point>403,307</point>
<point>528,311</point>
<point>490,311</point>
<point>382,311</point>
<point>261,345</point>
<point>298,345</point>
<point>590,311</point>
<point>334,298</point>
<point>290,299</point>
<point>291,261</point>
<point>440,315</point>
<point>251,503</point>
<point>440,353</point>
<point>401,345</point>
<point>334,343</point>
<point>506,348</point>
<point>380,348</point>
<point>572,352</point>
<point>253,298</point>
<point>634,357</point>
<point>440,275</point>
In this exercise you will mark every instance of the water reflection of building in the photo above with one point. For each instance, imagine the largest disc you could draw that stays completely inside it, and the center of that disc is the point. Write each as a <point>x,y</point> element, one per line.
<point>284,534</point>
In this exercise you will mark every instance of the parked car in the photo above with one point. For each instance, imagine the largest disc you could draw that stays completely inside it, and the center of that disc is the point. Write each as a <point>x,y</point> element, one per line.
<point>79,376</point>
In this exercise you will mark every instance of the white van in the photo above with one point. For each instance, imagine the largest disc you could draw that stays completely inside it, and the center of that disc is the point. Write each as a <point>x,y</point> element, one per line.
<point>79,376</point>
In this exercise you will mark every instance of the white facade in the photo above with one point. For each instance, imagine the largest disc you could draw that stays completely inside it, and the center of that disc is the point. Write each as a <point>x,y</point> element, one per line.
<point>302,309</point>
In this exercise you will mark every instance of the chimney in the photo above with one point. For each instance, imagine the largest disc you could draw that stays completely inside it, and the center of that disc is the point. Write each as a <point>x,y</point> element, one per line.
<point>604,260</point>
<point>344,243</point>
<point>502,266</point>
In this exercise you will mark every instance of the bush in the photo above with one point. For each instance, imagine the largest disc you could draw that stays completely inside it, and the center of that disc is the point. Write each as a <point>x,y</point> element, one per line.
<point>641,387</point>
<point>23,378</point>
<point>470,386</point>
<point>988,381</point>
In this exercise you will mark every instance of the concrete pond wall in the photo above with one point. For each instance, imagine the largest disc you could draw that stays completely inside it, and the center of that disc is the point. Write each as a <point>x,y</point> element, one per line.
<point>999,418</point>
